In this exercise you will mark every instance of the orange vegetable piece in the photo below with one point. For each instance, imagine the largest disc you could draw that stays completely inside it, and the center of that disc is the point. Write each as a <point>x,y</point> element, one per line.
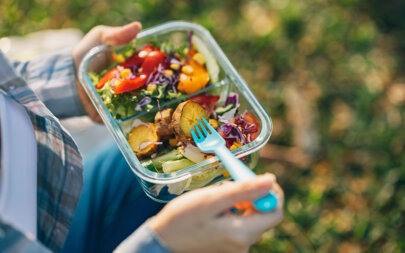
<point>197,80</point>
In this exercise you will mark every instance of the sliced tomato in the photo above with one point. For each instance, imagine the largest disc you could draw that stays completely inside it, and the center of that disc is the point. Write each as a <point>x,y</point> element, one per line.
<point>131,84</point>
<point>207,101</point>
<point>250,119</point>
<point>109,76</point>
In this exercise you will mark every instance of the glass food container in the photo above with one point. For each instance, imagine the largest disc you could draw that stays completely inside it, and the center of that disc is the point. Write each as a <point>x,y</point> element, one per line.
<point>163,187</point>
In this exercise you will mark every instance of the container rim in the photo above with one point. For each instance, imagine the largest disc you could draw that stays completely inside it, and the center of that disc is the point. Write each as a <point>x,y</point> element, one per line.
<point>112,125</point>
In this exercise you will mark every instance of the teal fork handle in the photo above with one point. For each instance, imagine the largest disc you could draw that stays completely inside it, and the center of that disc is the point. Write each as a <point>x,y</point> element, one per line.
<point>240,172</point>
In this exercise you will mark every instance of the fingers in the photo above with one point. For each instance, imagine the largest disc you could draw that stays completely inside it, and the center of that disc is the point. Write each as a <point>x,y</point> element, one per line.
<point>226,195</point>
<point>101,35</point>
<point>257,221</point>
<point>252,224</point>
<point>119,35</point>
<point>280,197</point>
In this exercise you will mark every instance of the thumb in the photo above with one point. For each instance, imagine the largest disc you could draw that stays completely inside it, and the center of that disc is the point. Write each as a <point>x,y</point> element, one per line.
<point>121,34</point>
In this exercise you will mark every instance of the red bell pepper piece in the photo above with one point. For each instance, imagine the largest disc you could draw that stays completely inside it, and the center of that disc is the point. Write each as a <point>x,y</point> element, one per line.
<point>138,57</point>
<point>109,76</point>
<point>152,61</point>
<point>131,84</point>
<point>147,58</point>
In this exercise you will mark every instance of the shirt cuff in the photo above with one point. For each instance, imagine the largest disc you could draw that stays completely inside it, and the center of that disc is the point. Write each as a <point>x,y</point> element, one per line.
<point>143,239</point>
<point>52,77</point>
<point>12,240</point>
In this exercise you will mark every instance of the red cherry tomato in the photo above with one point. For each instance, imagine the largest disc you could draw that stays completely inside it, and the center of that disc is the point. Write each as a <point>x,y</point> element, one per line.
<point>131,84</point>
<point>109,76</point>
<point>207,101</point>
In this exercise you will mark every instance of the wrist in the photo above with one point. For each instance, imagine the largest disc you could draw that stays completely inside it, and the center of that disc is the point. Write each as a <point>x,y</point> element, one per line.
<point>159,227</point>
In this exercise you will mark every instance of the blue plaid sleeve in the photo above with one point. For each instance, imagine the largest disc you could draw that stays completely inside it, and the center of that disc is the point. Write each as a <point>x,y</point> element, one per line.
<point>143,239</point>
<point>59,163</point>
<point>12,240</point>
<point>52,77</point>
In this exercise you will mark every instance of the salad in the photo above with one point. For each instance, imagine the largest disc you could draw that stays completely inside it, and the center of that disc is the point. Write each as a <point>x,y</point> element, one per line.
<point>173,87</point>
<point>142,79</point>
<point>165,145</point>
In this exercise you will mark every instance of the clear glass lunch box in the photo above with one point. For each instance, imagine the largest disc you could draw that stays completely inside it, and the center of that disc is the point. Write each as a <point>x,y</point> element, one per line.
<point>163,187</point>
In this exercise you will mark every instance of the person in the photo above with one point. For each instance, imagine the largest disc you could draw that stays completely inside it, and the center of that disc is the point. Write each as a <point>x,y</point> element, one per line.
<point>37,214</point>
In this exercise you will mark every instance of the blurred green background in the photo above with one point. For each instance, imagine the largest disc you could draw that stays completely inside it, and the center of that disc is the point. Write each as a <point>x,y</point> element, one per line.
<point>330,73</point>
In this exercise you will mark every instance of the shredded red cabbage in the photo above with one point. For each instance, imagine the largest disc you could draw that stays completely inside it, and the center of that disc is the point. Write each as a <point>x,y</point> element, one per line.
<point>160,77</point>
<point>144,101</point>
<point>232,133</point>
<point>134,69</point>
<point>225,129</point>
<point>238,131</point>
<point>233,98</point>
<point>138,122</point>
<point>145,144</point>
<point>246,126</point>
<point>174,60</point>
<point>190,35</point>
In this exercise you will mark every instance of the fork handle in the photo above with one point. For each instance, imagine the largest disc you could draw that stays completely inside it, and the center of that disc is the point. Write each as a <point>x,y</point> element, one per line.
<point>240,172</point>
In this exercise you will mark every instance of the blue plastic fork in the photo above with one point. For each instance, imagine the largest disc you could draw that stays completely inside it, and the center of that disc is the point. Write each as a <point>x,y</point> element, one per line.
<point>212,142</point>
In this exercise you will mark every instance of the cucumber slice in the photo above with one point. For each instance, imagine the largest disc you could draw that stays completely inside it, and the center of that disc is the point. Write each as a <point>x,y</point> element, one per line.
<point>223,109</point>
<point>172,166</point>
<point>149,165</point>
<point>210,60</point>
<point>170,156</point>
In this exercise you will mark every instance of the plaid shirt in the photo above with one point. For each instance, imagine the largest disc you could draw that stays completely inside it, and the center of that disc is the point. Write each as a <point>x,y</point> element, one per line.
<point>45,87</point>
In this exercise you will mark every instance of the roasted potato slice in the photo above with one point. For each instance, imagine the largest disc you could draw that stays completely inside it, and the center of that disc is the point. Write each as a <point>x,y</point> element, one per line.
<point>185,117</point>
<point>141,135</point>
<point>163,125</point>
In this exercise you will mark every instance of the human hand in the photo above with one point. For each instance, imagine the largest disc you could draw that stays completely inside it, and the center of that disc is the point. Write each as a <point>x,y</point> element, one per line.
<point>200,221</point>
<point>97,36</point>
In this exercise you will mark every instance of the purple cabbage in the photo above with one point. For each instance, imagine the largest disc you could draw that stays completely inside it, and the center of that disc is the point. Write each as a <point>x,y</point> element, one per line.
<point>134,69</point>
<point>225,129</point>
<point>190,35</point>
<point>160,77</point>
<point>233,98</point>
<point>239,130</point>
<point>144,101</point>
<point>232,133</point>
<point>175,61</point>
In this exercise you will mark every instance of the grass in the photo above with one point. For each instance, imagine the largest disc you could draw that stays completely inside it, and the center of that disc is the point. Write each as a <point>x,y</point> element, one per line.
<point>330,73</point>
